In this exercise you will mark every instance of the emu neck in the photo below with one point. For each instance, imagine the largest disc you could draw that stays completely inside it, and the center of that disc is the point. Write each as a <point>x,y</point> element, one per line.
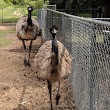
<point>55,47</point>
<point>54,42</point>
<point>29,20</point>
<point>54,36</point>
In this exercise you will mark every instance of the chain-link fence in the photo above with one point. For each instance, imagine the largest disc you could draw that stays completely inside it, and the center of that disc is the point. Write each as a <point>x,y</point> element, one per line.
<point>41,17</point>
<point>88,42</point>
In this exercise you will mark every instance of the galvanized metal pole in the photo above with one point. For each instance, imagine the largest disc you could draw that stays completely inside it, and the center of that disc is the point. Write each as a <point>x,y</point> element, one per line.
<point>92,69</point>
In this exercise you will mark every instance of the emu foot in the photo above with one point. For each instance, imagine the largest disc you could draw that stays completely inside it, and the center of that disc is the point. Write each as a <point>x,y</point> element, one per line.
<point>51,107</point>
<point>57,98</point>
<point>25,62</point>
<point>28,63</point>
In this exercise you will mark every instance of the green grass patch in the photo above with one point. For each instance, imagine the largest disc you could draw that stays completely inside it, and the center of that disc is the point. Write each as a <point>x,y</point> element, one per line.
<point>99,38</point>
<point>4,32</point>
<point>10,20</point>
<point>4,41</point>
<point>11,14</point>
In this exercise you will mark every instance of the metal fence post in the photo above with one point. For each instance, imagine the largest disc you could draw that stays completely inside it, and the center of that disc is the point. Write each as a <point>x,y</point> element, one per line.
<point>92,69</point>
<point>52,18</point>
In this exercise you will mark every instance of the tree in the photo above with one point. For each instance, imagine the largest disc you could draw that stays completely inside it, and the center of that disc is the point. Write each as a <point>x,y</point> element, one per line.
<point>2,4</point>
<point>106,8</point>
<point>21,2</point>
<point>60,3</point>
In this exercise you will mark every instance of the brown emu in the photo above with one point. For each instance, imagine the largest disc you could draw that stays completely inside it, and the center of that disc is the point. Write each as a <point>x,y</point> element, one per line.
<point>27,28</point>
<point>52,62</point>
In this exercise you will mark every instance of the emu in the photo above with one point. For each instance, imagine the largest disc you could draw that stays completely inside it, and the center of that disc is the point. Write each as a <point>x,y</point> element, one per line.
<point>27,28</point>
<point>52,63</point>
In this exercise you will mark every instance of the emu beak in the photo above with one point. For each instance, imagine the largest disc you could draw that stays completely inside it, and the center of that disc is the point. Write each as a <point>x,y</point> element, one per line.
<point>29,9</point>
<point>54,31</point>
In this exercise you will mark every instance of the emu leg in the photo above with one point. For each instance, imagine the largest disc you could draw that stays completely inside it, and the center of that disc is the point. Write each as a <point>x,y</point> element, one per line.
<point>24,46</point>
<point>50,92</point>
<point>58,95</point>
<point>30,47</point>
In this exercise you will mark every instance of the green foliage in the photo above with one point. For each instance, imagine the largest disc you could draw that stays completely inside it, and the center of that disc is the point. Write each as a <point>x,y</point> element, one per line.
<point>12,10</point>
<point>75,3</point>
<point>38,3</point>
<point>2,4</point>
<point>11,14</point>
<point>84,14</point>
<point>68,4</point>
<point>34,3</point>
<point>56,1</point>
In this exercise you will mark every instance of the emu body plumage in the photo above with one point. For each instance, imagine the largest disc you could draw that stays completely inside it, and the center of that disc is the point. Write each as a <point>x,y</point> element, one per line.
<point>25,32</point>
<point>27,28</point>
<point>52,63</point>
<point>44,62</point>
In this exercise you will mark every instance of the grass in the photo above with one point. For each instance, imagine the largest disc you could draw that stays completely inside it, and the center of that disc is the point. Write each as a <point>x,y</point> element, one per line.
<point>4,32</point>
<point>11,14</point>
<point>3,41</point>
<point>99,38</point>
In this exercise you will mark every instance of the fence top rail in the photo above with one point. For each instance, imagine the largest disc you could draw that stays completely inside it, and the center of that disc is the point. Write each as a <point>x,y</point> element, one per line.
<point>91,20</point>
<point>49,5</point>
<point>102,18</point>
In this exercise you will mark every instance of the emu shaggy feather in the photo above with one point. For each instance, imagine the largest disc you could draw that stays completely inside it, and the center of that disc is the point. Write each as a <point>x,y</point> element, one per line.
<point>27,32</point>
<point>45,62</point>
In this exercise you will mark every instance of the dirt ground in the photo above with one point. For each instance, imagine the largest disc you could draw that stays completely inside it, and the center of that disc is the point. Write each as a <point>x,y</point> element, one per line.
<point>20,89</point>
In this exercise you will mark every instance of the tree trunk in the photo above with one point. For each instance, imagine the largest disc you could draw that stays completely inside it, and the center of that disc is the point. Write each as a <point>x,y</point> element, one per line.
<point>106,8</point>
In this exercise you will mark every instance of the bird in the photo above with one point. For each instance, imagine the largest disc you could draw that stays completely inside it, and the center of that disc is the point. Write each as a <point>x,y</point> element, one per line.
<point>53,63</point>
<point>27,28</point>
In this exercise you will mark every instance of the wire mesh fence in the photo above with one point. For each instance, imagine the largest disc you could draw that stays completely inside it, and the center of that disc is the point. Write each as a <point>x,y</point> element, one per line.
<point>88,42</point>
<point>41,17</point>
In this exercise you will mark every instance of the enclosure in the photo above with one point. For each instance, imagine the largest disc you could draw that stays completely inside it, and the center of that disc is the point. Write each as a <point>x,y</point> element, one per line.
<point>88,41</point>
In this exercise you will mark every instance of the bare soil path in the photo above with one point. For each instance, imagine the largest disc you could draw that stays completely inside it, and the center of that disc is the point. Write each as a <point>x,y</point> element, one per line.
<point>20,89</point>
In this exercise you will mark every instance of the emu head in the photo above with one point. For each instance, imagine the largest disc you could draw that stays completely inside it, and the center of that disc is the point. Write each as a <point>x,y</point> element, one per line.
<point>53,30</point>
<point>30,9</point>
